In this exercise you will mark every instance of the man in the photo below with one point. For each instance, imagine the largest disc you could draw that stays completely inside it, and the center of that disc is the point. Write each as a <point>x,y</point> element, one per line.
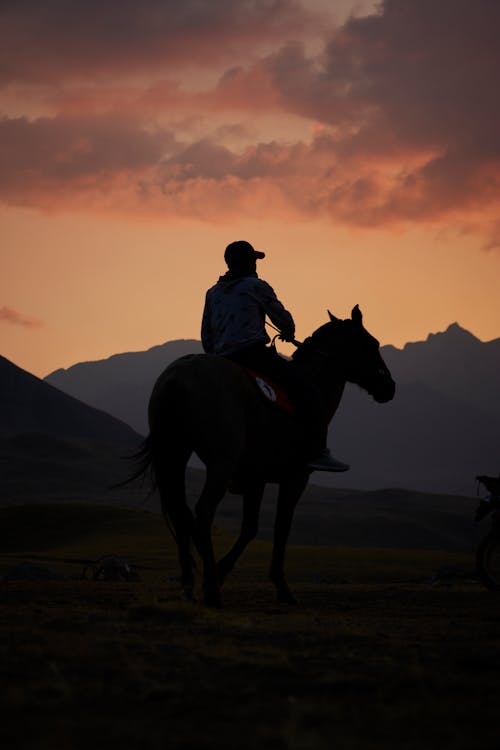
<point>233,326</point>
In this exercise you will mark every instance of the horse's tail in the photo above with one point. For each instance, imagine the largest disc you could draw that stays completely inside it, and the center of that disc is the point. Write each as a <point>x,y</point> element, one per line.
<point>147,465</point>
<point>144,459</point>
<point>164,455</point>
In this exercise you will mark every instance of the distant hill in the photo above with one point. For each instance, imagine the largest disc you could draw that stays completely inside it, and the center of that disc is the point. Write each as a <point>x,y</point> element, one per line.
<point>454,363</point>
<point>52,445</point>
<point>121,384</point>
<point>40,469</point>
<point>389,518</point>
<point>442,428</point>
<point>43,468</point>
<point>422,440</point>
<point>56,448</point>
<point>31,405</point>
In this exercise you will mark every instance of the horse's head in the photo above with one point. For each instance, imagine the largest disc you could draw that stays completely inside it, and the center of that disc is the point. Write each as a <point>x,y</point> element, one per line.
<point>363,363</point>
<point>355,353</point>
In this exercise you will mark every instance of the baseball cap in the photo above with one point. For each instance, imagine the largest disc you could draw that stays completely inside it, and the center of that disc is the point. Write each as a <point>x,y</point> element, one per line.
<point>240,251</point>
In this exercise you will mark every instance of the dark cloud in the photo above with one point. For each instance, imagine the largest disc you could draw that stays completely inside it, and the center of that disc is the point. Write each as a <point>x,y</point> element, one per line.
<point>9,315</point>
<point>415,82</point>
<point>55,40</point>
<point>403,103</point>
<point>208,160</point>
<point>62,153</point>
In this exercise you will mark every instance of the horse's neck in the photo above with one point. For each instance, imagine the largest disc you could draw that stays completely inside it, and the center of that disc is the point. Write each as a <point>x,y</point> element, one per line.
<point>314,370</point>
<point>335,398</point>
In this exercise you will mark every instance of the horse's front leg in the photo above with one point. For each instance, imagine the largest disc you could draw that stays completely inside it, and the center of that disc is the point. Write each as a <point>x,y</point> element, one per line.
<point>288,497</point>
<point>252,500</point>
<point>213,492</point>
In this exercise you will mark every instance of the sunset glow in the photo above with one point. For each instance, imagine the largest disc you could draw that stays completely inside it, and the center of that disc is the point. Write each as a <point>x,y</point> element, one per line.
<point>360,151</point>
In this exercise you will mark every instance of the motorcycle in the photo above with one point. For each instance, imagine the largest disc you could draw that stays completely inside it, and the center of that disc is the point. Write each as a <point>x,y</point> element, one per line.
<point>488,549</point>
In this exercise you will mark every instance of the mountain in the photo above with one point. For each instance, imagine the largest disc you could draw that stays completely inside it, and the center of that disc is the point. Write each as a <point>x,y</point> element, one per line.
<point>454,363</point>
<point>439,432</point>
<point>31,405</point>
<point>422,440</point>
<point>52,445</point>
<point>441,429</point>
<point>121,384</point>
<point>55,448</point>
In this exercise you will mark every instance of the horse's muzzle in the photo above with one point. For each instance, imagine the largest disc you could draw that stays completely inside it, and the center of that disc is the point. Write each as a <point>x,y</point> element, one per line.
<point>384,392</point>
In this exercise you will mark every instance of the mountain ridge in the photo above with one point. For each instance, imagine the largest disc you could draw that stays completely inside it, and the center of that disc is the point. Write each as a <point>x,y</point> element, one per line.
<point>124,356</point>
<point>38,467</point>
<point>441,429</point>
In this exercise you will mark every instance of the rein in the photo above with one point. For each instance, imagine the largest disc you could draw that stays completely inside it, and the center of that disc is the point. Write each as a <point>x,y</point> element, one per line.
<point>279,336</point>
<point>295,342</point>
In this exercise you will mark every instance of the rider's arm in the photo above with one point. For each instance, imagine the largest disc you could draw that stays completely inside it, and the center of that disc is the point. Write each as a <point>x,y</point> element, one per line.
<point>207,336</point>
<point>275,311</point>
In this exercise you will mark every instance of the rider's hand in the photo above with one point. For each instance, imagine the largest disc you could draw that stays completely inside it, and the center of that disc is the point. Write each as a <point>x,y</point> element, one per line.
<point>288,335</point>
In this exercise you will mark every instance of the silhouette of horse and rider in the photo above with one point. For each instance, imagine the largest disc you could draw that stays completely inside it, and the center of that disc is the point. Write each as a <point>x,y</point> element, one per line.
<point>210,404</point>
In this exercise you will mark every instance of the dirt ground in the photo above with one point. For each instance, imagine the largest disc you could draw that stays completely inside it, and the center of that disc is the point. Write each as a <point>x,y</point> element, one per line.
<point>378,654</point>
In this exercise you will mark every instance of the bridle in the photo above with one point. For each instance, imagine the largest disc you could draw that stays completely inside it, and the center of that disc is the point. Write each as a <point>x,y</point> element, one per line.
<point>327,355</point>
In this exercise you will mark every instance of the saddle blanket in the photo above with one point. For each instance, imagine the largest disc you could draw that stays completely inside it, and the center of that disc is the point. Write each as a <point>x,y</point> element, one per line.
<point>271,391</point>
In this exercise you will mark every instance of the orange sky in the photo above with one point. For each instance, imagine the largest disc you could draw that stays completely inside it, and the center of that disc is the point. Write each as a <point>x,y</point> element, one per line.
<point>361,153</point>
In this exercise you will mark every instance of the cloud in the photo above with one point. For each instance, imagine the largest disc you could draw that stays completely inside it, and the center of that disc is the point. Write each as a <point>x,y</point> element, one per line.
<point>401,108</point>
<point>62,41</point>
<point>9,315</point>
<point>44,158</point>
<point>64,148</point>
<point>101,165</point>
<point>415,81</point>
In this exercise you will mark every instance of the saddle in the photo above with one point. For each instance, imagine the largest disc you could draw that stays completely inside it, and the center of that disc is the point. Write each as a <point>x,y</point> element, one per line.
<point>272,392</point>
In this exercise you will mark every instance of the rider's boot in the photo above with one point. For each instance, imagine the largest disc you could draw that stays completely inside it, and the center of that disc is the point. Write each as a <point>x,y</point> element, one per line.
<point>324,461</point>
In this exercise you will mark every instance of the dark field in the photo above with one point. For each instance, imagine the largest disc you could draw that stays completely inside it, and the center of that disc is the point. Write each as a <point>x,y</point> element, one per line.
<point>375,656</point>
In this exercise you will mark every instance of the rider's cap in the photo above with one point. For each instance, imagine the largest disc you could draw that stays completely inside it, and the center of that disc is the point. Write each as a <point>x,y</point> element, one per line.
<point>241,251</point>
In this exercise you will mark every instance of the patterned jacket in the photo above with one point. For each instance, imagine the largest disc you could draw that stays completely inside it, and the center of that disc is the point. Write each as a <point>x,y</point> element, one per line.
<point>235,312</point>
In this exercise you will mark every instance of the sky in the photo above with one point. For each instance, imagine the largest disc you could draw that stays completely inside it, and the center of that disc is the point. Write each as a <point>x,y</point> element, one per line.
<point>356,143</point>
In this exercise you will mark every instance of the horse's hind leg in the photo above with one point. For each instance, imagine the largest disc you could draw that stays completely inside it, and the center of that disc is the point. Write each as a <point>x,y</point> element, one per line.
<point>252,500</point>
<point>214,490</point>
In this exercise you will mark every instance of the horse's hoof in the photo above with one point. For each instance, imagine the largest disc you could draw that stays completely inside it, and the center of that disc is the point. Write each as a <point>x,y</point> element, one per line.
<point>214,602</point>
<point>284,596</point>
<point>222,573</point>
<point>211,596</point>
<point>187,595</point>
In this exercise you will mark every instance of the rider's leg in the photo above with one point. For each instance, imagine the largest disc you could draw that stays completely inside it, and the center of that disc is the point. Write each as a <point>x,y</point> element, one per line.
<point>304,395</point>
<point>311,410</point>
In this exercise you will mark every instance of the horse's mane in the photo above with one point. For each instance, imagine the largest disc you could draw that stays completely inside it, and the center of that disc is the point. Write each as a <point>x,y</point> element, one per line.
<point>321,337</point>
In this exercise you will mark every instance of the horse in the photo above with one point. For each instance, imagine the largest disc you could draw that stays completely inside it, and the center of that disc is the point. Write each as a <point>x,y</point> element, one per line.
<point>208,405</point>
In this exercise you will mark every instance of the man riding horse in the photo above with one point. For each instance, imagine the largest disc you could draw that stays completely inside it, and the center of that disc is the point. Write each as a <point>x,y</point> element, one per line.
<point>208,405</point>
<point>233,326</point>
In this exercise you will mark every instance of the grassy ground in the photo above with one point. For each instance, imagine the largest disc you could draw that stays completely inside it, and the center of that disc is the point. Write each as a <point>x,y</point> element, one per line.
<point>375,656</point>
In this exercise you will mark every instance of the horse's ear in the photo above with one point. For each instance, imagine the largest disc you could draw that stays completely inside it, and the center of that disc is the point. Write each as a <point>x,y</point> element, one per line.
<point>357,316</point>
<point>332,317</point>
